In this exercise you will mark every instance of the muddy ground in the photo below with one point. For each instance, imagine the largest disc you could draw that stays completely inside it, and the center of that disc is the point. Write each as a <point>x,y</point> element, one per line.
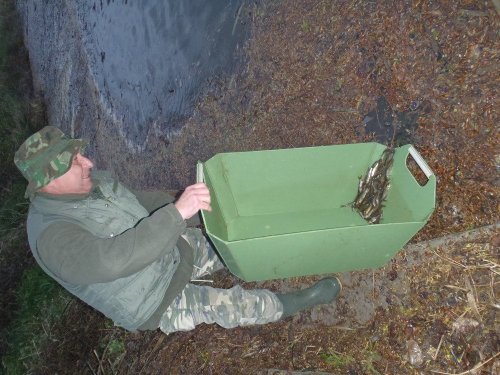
<point>315,71</point>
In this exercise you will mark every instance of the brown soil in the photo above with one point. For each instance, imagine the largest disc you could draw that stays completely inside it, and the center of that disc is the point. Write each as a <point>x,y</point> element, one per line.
<point>315,69</point>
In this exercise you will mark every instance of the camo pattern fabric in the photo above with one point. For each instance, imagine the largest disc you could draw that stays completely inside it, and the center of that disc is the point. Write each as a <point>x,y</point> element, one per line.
<point>206,260</point>
<point>45,156</point>
<point>228,308</point>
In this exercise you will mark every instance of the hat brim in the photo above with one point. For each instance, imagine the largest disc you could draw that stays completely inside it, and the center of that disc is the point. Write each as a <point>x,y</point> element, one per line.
<point>74,146</point>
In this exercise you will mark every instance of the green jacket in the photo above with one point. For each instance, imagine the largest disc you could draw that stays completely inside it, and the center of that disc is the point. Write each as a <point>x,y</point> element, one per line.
<point>106,248</point>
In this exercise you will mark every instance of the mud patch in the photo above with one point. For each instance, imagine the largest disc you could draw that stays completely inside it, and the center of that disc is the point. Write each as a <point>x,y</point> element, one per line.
<point>392,128</point>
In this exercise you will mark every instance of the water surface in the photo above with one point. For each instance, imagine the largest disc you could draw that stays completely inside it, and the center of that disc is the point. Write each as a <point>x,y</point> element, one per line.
<point>151,59</point>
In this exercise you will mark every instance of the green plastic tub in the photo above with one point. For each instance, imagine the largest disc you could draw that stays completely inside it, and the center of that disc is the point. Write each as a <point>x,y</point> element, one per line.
<point>284,213</point>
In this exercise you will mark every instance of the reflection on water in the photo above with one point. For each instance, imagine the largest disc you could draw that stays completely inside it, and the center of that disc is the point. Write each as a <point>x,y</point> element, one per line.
<point>151,58</point>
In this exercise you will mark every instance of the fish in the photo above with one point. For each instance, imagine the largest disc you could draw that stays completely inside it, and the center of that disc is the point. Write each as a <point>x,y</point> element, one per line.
<point>373,188</point>
<point>361,197</point>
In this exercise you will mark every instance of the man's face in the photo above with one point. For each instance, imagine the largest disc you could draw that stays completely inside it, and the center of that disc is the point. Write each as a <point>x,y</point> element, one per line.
<point>76,180</point>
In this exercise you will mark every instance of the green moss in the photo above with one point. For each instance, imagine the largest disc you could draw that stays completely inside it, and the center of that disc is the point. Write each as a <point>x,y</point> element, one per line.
<point>337,360</point>
<point>41,304</point>
<point>306,26</point>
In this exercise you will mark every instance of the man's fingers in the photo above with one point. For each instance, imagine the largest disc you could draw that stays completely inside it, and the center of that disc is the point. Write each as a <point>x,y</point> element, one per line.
<point>194,198</point>
<point>200,186</point>
<point>199,191</point>
<point>204,202</point>
<point>206,207</point>
<point>205,198</point>
<point>201,197</point>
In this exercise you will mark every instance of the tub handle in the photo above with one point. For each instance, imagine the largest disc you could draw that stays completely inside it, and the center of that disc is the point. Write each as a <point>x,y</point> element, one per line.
<point>420,161</point>
<point>200,177</point>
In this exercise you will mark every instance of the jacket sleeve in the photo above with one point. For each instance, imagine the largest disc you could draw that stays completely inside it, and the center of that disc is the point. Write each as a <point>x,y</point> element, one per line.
<point>78,257</point>
<point>152,200</point>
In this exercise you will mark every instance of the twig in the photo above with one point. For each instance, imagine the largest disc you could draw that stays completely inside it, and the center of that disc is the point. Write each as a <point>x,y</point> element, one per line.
<point>491,267</point>
<point>90,367</point>
<point>234,345</point>
<point>249,354</point>
<point>373,285</point>
<point>494,265</point>
<point>202,281</point>
<point>492,270</point>
<point>158,343</point>
<point>449,260</point>
<point>471,297</point>
<point>111,366</point>
<point>471,371</point>
<point>155,348</point>
<point>99,361</point>
<point>348,110</point>
<point>473,13</point>
<point>492,288</point>
<point>434,357</point>
<point>117,362</point>
<point>467,236</point>
<point>346,328</point>
<point>456,288</point>
<point>67,306</point>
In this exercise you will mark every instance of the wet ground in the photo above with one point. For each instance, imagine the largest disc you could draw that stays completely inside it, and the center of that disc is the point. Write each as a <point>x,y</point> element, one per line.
<point>316,73</point>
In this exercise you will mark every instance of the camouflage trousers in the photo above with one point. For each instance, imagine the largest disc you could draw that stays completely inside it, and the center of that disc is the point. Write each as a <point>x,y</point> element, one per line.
<point>228,308</point>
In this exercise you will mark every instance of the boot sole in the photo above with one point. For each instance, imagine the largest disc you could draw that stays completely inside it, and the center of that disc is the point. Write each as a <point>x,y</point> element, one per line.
<point>340,283</point>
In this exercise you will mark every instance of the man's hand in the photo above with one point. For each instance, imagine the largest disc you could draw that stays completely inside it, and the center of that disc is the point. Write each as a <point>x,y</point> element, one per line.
<point>196,197</point>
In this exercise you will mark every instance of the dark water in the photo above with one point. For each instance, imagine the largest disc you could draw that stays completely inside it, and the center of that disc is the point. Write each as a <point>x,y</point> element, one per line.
<point>391,127</point>
<point>151,59</point>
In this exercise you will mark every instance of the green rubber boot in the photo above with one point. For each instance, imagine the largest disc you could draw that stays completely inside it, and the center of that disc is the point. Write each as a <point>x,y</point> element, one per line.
<point>324,291</point>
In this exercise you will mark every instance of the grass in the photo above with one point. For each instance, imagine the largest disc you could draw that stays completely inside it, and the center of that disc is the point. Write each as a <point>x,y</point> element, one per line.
<point>20,115</point>
<point>110,353</point>
<point>41,303</point>
<point>340,361</point>
<point>30,301</point>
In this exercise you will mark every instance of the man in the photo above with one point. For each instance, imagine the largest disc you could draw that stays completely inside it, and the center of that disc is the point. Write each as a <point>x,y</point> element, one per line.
<point>131,255</point>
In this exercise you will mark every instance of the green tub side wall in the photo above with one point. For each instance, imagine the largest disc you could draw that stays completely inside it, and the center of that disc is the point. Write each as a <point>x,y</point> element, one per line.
<point>407,199</point>
<point>314,253</point>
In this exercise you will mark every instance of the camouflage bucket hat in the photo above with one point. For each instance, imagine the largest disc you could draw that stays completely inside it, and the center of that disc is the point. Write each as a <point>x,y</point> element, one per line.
<point>45,156</point>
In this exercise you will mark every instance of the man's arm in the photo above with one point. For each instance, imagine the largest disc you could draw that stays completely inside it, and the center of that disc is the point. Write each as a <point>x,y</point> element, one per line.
<point>77,256</point>
<point>152,200</point>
